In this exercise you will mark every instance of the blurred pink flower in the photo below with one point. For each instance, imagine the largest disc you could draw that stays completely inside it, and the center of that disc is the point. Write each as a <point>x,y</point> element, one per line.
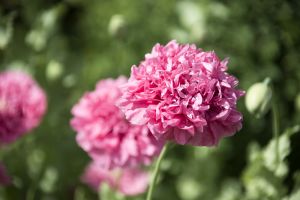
<point>4,177</point>
<point>22,105</point>
<point>105,134</point>
<point>128,181</point>
<point>183,94</point>
<point>95,174</point>
<point>133,182</point>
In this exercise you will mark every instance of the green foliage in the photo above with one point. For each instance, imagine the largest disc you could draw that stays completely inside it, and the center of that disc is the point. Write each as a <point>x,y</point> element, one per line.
<point>68,45</point>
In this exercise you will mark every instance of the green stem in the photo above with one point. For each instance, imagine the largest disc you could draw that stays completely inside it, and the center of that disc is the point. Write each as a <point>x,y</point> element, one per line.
<point>31,192</point>
<point>156,171</point>
<point>99,193</point>
<point>275,119</point>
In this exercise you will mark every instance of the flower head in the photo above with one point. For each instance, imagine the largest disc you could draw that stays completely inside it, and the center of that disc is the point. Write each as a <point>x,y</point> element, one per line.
<point>22,105</point>
<point>258,98</point>
<point>128,181</point>
<point>183,94</point>
<point>104,132</point>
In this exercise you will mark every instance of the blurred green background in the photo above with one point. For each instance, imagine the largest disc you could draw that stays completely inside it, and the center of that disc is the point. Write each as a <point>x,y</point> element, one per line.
<point>69,45</point>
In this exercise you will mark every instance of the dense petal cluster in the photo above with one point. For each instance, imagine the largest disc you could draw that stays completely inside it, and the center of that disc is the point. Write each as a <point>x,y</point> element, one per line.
<point>104,132</point>
<point>128,181</point>
<point>183,94</point>
<point>22,105</point>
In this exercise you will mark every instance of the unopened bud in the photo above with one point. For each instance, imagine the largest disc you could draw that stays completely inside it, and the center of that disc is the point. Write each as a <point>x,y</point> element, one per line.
<point>258,98</point>
<point>117,25</point>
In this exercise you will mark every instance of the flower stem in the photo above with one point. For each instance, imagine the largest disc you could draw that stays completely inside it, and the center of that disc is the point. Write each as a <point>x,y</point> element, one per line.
<point>99,193</point>
<point>156,171</point>
<point>275,119</point>
<point>31,192</point>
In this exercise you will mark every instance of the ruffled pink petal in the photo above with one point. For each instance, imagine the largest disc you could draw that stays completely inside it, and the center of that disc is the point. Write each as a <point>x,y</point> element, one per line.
<point>103,131</point>
<point>183,94</point>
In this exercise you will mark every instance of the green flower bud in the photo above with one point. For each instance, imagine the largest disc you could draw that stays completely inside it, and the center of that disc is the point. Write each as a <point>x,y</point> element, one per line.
<point>117,26</point>
<point>258,98</point>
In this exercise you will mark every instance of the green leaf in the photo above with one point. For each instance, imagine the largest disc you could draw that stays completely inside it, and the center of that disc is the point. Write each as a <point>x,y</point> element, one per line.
<point>279,167</point>
<point>295,195</point>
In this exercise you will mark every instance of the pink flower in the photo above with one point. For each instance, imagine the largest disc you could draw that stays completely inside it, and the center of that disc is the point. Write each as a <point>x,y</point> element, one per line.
<point>133,182</point>
<point>4,177</point>
<point>22,105</point>
<point>95,174</point>
<point>128,181</point>
<point>105,134</point>
<point>183,94</point>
